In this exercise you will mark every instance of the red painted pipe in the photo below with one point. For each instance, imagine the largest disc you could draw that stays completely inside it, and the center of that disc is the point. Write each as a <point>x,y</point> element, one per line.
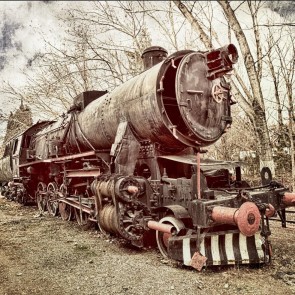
<point>270,211</point>
<point>247,217</point>
<point>224,215</point>
<point>289,199</point>
<point>162,227</point>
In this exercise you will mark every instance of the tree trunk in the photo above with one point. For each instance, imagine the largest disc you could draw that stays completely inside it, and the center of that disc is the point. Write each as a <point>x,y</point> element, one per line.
<point>291,132</point>
<point>265,149</point>
<point>194,23</point>
<point>263,143</point>
<point>255,98</point>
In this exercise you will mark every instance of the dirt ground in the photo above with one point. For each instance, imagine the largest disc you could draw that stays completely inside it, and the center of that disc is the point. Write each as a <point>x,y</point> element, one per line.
<point>45,255</point>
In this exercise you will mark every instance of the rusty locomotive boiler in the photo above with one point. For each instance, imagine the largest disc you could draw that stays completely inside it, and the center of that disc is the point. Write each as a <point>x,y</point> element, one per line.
<point>129,160</point>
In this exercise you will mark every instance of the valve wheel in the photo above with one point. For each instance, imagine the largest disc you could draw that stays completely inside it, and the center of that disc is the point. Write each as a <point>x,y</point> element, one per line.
<point>52,202</point>
<point>162,238</point>
<point>218,93</point>
<point>41,197</point>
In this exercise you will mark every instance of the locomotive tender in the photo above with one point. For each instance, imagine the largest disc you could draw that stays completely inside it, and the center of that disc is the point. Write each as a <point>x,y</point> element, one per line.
<point>129,160</point>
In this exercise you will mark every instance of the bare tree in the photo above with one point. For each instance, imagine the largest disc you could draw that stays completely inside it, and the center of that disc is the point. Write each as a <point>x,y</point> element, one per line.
<point>252,101</point>
<point>117,32</point>
<point>281,63</point>
<point>254,70</point>
<point>102,50</point>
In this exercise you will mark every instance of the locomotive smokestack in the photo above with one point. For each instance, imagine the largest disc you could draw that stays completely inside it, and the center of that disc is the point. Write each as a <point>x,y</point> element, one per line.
<point>153,55</point>
<point>221,60</point>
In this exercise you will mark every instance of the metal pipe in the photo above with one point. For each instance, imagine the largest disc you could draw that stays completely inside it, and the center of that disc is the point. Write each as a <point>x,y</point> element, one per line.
<point>224,215</point>
<point>289,199</point>
<point>247,217</point>
<point>162,227</point>
<point>287,221</point>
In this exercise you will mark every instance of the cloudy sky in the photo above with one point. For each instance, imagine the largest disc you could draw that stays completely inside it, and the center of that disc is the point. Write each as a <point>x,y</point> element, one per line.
<point>23,27</point>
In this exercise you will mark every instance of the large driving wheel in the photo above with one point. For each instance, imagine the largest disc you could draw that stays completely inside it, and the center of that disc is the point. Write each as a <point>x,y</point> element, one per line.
<point>162,238</point>
<point>52,202</point>
<point>41,197</point>
<point>65,210</point>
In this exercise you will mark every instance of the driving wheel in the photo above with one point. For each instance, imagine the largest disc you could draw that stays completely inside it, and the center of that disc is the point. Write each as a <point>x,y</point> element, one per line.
<point>162,238</point>
<point>65,210</point>
<point>52,202</point>
<point>41,197</point>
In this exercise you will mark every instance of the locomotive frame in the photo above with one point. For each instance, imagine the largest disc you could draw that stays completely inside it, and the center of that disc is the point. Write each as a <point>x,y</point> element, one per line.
<point>130,161</point>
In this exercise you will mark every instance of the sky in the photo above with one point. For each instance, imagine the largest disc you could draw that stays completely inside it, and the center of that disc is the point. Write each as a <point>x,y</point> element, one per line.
<point>22,27</point>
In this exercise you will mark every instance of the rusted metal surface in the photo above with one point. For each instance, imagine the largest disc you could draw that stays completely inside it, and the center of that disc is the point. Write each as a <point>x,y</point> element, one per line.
<point>65,210</point>
<point>129,160</point>
<point>159,120</point>
<point>247,217</point>
<point>77,205</point>
<point>220,61</point>
<point>199,175</point>
<point>59,159</point>
<point>162,238</point>
<point>132,189</point>
<point>52,198</point>
<point>83,173</point>
<point>206,164</point>
<point>224,215</point>
<point>153,55</point>
<point>198,261</point>
<point>108,219</point>
<point>207,118</point>
<point>270,211</point>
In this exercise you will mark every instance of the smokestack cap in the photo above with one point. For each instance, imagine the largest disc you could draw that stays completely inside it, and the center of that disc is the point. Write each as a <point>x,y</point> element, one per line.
<point>153,55</point>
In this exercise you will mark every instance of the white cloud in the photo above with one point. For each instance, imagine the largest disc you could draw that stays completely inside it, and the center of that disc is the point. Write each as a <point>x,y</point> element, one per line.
<point>24,26</point>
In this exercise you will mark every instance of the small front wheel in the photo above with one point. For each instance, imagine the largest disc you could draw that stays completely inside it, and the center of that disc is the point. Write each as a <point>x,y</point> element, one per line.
<point>162,238</point>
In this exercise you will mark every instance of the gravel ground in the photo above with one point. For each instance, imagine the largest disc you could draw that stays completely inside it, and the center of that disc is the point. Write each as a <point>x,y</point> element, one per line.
<point>45,255</point>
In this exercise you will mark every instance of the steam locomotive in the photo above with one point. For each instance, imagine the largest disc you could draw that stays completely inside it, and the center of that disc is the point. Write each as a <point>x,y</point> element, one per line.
<point>130,161</point>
